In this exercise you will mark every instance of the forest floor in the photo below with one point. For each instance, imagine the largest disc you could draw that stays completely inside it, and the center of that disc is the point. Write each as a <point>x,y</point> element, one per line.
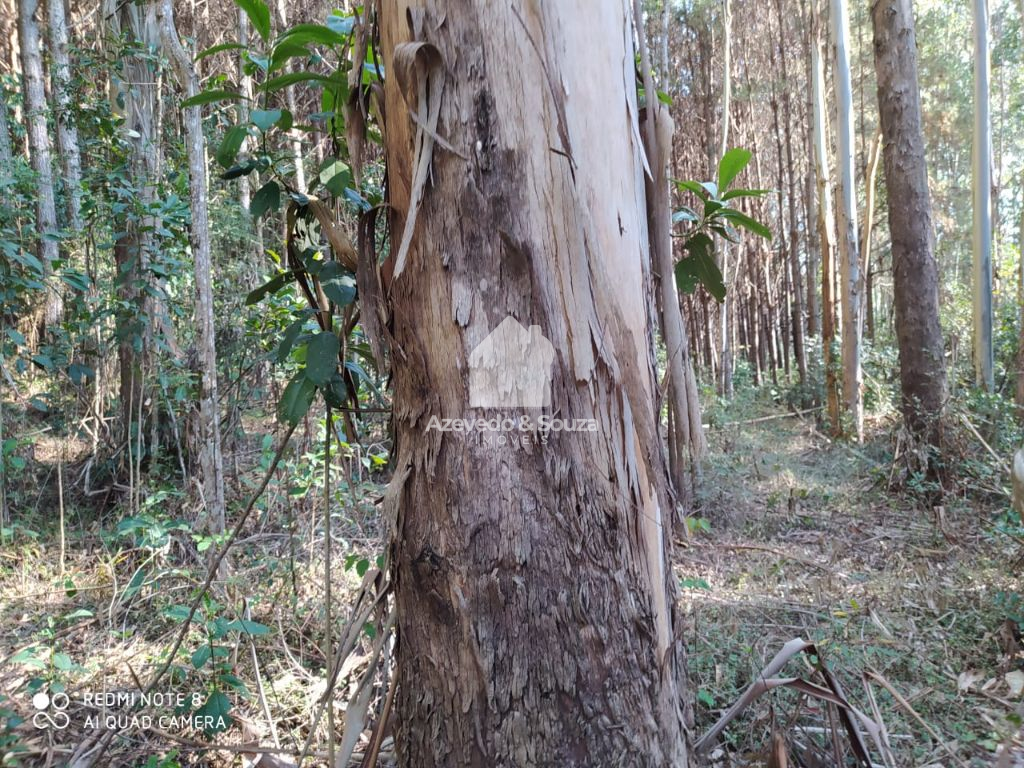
<point>794,536</point>
<point>804,538</point>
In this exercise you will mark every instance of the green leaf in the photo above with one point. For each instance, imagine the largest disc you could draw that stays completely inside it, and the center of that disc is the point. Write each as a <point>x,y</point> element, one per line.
<point>335,176</point>
<point>684,214</point>
<point>62,662</point>
<point>230,144</point>
<point>285,50</point>
<point>362,567</point>
<point>80,374</point>
<point>264,119</point>
<point>343,25</point>
<point>302,34</point>
<point>291,333</point>
<point>176,612</point>
<point>259,15</point>
<point>742,220</point>
<point>732,162</point>
<point>338,285</point>
<point>209,97</point>
<point>693,186</point>
<point>217,707</point>
<point>296,399</point>
<point>276,283</point>
<point>244,169</point>
<point>700,267</point>
<point>267,198</point>
<point>732,193</point>
<point>201,656</point>
<point>219,49</point>
<point>247,627</point>
<point>322,357</point>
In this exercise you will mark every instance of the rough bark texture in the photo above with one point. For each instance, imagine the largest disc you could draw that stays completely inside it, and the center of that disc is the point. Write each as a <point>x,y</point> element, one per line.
<point>211,462</point>
<point>67,129</point>
<point>534,598</point>
<point>6,153</point>
<point>853,403</point>
<point>39,149</point>
<point>915,273</point>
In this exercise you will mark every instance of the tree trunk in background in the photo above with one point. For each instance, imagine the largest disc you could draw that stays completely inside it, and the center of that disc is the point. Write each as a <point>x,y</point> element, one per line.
<point>1020,301</point>
<point>915,273</point>
<point>297,154</point>
<point>853,403</point>
<point>982,184</point>
<point>211,462</point>
<point>793,260</point>
<point>868,227</point>
<point>39,150</point>
<point>67,129</point>
<point>6,152</point>
<point>533,593</point>
<point>826,230</point>
<point>725,371</point>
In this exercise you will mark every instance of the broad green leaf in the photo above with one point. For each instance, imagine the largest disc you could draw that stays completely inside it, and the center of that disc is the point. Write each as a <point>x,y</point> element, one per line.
<point>335,176</point>
<point>700,267</point>
<point>285,50</point>
<point>209,97</point>
<point>217,707</point>
<point>243,169</point>
<point>248,627</point>
<point>202,655</point>
<point>684,214</point>
<point>264,119</point>
<point>80,374</point>
<point>267,198</point>
<point>296,399</point>
<point>303,34</point>
<point>343,25</point>
<point>62,662</point>
<point>291,333</point>
<point>276,283</point>
<point>341,289</point>
<point>733,193</point>
<point>742,220</point>
<point>219,49</point>
<point>322,357</point>
<point>230,144</point>
<point>695,187</point>
<point>732,162</point>
<point>259,15</point>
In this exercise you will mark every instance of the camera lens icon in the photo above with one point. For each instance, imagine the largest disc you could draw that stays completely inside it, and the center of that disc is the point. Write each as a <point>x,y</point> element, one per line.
<point>51,712</point>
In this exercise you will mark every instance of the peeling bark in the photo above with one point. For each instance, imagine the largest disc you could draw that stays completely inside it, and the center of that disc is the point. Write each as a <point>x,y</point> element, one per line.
<point>537,623</point>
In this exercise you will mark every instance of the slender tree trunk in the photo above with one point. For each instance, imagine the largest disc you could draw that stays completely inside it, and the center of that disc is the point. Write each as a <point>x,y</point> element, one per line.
<point>67,128</point>
<point>826,230</point>
<point>211,462</point>
<point>867,229</point>
<point>725,370</point>
<point>847,225</point>
<point>982,184</point>
<point>915,273</point>
<point>532,583</point>
<point>6,152</point>
<point>297,153</point>
<point>39,150</point>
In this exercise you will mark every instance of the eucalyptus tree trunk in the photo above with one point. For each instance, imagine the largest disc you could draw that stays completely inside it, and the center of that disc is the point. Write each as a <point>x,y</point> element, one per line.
<point>725,370</point>
<point>826,229</point>
<point>289,94</point>
<point>211,462</point>
<point>853,403</point>
<point>6,152</point>
<point>67,128</point>
<point>34,94</point>
<point>915,273</point>
<point>982,185</point>
<point>532,581</point>
<point>793,260</point>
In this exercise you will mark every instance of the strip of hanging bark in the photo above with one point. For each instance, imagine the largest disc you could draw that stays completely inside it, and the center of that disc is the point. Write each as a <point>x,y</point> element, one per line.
<point>343,249</point>
<point>418,71</point>
<point>766,681</point>
<point>371,293</point>
<point>355,107</point>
